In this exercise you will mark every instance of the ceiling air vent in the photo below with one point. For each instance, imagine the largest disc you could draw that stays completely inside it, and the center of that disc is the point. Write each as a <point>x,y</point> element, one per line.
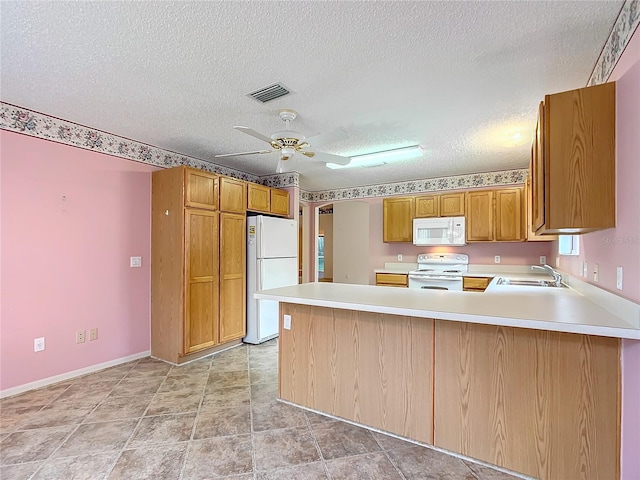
<point>269,93</point>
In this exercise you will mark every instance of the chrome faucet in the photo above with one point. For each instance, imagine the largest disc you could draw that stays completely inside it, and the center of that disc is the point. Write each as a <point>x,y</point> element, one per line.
<point>557,278</point>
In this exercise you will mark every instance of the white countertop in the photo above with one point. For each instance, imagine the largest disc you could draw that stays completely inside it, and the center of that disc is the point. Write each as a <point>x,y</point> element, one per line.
<point>541,308</point>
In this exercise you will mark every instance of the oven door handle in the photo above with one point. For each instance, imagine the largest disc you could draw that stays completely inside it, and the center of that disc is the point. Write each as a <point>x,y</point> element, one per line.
<point>424,278</point>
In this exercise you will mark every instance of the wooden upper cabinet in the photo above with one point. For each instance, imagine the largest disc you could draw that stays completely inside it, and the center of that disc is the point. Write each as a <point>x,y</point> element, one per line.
<point>509,221</point>
<point>200,189</point>
<point>537,173</point>
<point>397,219</point>
<point>479,217</point>
<point>452,204</point>
<point>440,205</point>
<point>233,196</point>
<point>258,198</point>
<point>279,202</point>
<point>496,215</point>
<point>574,183</point>
<point>528,200</point>
<point>427,206</point>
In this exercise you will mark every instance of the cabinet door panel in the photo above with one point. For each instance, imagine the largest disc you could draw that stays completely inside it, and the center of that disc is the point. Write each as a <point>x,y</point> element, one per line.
<point>427,206</point>
<point>480,216</point>
<point>509,215</point>
<point>258,198</point>
<point>201,190</point>
<point>397,219</point>
<point>452,204</point>
<point>233,197</point>
<point>232,276</point>
<point>280,202</point>
<point>201,273</point>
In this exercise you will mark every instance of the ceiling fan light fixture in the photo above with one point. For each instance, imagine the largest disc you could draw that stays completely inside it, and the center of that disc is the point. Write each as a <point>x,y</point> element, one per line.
<point>384,157</point>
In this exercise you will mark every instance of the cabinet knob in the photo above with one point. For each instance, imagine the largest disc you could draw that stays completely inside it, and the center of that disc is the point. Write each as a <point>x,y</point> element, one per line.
<point>166,212</point>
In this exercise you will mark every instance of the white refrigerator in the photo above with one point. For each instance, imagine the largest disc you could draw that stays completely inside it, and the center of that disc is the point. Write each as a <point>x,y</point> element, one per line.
<point>272,262</point>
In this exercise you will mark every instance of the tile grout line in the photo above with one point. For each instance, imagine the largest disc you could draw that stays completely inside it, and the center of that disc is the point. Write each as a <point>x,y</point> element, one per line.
<point>254,465</point>
<point>317,445</point>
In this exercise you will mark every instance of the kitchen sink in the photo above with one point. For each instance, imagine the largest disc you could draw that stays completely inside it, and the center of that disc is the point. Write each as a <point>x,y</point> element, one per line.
<point>529,283</point>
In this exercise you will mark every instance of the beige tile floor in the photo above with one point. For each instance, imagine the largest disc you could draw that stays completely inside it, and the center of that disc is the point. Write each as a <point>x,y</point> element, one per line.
<point>217,417</point>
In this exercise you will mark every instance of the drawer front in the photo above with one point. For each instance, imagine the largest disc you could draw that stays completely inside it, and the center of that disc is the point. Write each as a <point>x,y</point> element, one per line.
<point>475,283</point>
<point>392,279</point>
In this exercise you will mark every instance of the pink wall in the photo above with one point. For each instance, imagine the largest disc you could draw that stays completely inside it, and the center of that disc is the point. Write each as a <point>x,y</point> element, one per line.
<point>620,246</point>
<point>65,263</point>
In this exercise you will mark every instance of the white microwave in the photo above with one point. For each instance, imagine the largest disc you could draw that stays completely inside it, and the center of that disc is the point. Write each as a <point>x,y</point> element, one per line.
<point>439,231</point>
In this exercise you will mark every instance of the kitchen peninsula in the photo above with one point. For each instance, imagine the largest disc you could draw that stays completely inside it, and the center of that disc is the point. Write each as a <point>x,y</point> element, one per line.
<point>524,378</point>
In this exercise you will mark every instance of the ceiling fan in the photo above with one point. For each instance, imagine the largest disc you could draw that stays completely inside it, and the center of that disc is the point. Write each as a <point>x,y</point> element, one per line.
<point>289,142</point>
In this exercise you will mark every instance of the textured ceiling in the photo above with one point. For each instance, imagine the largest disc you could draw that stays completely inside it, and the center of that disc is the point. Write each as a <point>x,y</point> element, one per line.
<point>451,76</point>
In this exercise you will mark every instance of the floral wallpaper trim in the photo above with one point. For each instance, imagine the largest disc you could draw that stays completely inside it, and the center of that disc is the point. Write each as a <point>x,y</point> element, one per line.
<point>623,29</point>
<point>27,122</point>
<point>507,177</point>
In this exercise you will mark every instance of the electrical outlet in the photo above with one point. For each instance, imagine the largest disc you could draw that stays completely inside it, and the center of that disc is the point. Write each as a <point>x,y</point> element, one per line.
<point>596,272</point>
<point>619,278</point>
<point>80,336</point>
<point>38,344</point>
<point>135,262</point>
<point>93,334</point>
<point>399,257</point>
<point>543,259</point>
<point>585,269</point>
<point>287,322</point>
<point>497,259</point>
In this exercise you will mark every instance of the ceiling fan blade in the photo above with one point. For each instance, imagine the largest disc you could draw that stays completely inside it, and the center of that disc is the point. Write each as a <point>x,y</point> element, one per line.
<point>328,137</point>
<point>242,153</point>
<point>253,133</point>
<point>331,158</point>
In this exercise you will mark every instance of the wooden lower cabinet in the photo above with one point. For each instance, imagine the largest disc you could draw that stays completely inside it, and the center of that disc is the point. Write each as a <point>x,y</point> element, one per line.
<point>392,279</point>
<point>233,267</point>
<point>542,403</point>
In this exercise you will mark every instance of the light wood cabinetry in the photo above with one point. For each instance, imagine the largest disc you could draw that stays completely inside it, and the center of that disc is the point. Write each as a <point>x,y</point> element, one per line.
<point>267,200</point>
<point>279,202</point>
<point>475,284</point>
<point>369,368</point>
<point>531,234</point>
<point>233,196</point>
<point>542,403</point>
<point>190,299</point>
<point>392,279</point>
<point>233,265</point>
<point>258,198</point>
<point>397,219</point>
<point>440,205</point>
<point>495,215</point>
<point>201,273</point>
<point>573,178</point>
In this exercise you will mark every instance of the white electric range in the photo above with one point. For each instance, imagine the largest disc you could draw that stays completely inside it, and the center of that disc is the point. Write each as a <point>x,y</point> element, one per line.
<point>439,271</point>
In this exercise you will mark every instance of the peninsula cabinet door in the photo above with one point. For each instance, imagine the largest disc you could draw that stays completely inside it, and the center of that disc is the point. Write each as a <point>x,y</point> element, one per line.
<point>201,273</point>
<point>232,276</point>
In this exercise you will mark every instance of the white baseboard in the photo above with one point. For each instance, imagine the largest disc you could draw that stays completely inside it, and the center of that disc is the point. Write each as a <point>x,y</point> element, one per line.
<point>9,392</point>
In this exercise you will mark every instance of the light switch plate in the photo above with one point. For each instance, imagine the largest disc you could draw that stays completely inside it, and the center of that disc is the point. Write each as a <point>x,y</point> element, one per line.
<point>287,322</point>
<point>619,278</point>
<point>585,269</point>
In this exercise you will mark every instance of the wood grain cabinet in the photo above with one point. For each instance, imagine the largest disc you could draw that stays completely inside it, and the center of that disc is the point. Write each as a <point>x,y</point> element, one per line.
<point>233,195</point>
<point>267,200</point>
<point>397,219</point>
<point>279,202</point>
<point>495,215</point>
<point>475,284</point>
<point>190,244</point>
<point>392,279</point>
<point>573,171</point>
<point>440,205</point>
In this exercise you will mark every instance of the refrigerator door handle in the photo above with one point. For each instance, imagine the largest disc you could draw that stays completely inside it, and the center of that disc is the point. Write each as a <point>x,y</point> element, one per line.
<point>259,238</point>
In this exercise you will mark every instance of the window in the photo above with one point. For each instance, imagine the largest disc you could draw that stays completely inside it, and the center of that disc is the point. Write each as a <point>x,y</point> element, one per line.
<point>320,256</point>
<point>568,244</point>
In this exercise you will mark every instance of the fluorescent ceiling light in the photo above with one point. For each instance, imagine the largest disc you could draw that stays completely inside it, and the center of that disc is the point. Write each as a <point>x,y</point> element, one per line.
<point>382,158</point>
